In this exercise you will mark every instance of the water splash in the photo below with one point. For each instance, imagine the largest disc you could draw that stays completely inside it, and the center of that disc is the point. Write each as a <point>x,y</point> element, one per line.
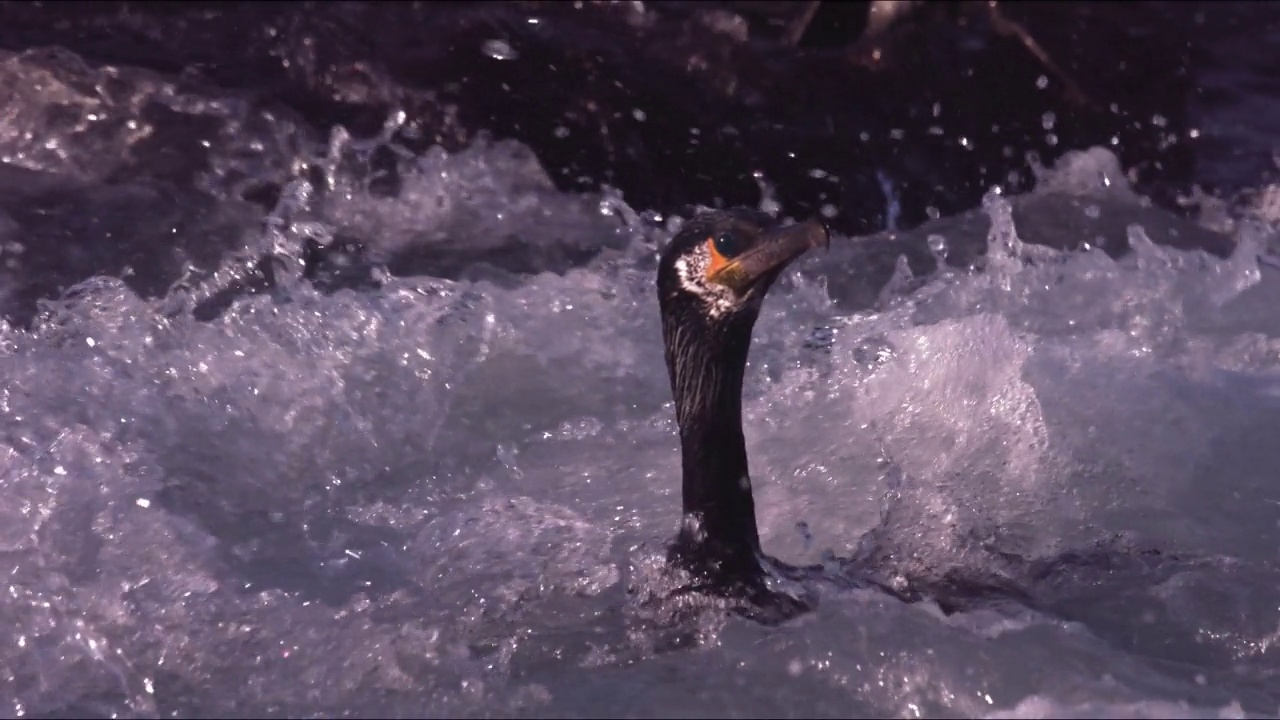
<point>454,493</point>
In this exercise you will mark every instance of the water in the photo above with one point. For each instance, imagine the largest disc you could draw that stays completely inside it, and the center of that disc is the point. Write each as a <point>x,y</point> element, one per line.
<point>433,473</point>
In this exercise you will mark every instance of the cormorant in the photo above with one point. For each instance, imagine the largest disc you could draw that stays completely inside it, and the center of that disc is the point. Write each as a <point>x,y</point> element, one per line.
<point>712,279</point>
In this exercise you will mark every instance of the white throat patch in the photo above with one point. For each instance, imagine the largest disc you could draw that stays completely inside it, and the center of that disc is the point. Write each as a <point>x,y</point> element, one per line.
<point>692,270</point>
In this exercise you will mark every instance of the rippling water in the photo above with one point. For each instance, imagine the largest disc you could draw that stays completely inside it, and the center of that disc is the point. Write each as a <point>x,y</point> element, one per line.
<point>421,460</point>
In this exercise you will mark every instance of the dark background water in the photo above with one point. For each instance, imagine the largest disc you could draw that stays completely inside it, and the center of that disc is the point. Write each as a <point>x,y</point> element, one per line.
<point>863,121</point>
<point>677,103</point>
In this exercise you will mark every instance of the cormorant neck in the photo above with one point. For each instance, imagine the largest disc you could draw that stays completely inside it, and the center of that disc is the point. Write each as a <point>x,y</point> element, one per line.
<point>706,362</point>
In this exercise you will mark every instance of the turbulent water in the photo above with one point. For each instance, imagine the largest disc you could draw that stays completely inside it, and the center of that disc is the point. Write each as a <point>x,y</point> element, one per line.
<point>446,489</point>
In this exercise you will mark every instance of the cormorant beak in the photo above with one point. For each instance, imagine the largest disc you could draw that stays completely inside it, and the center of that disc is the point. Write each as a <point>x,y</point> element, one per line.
<point>774,251</point>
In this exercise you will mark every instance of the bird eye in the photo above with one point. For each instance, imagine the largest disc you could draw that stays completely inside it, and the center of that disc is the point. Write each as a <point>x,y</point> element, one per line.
<point>727,244</point>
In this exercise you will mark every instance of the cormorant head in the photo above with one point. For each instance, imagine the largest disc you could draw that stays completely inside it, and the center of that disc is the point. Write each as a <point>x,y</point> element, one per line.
<point>712,278</point>
<point>721,264</point>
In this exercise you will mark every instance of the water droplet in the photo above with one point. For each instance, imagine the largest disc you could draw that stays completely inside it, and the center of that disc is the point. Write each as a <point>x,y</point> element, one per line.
<point>499,50</point>
<point>1042,82</point>
<point>892,209</point>
<point>828,211</point>
<point>900,283</point>
<point>768,199</point>
<point>1047,120</point>
<point>938,246</point>
<point>507,455</point>
<point>561,132</point>
<point>639,115</point>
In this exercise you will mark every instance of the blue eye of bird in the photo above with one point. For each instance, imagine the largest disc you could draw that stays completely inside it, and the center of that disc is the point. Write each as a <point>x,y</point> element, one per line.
<point>727,245</point>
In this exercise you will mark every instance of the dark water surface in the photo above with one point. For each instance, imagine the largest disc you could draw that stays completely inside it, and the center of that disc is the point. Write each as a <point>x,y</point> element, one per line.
<point>679,103</point>
<point>676,104</point>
